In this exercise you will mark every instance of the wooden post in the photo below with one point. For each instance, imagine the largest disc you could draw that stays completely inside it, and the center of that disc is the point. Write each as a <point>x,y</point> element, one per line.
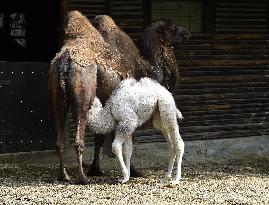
<point>209,9</point>
<point>267,14</point>
<point>147,12</point>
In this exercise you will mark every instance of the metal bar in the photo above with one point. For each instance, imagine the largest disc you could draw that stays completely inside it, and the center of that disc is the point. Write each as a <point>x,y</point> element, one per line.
<point>5,82</point>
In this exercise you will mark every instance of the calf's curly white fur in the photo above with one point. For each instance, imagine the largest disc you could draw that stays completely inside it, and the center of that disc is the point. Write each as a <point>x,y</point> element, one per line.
<point>131,104</point>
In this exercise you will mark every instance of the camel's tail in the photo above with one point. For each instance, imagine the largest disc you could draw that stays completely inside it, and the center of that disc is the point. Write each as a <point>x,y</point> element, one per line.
<point>179,115</point>
<point>62,71</point>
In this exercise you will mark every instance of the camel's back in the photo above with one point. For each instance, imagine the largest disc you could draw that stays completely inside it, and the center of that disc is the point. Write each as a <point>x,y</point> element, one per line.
<point>134,65</point>
<point>85,44</point>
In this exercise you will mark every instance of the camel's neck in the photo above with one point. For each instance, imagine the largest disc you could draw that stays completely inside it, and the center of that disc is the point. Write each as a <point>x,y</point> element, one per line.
<point>161,57</point>
<point>100,120</point>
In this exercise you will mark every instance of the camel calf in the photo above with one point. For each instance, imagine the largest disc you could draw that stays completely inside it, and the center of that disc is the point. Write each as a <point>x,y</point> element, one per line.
<point>131,104</point>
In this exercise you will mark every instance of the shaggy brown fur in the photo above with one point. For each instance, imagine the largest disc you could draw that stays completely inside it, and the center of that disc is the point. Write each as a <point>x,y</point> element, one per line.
<point>121,43</point>
<point>86,59</point>
<point>72,80</point>
<point>156,45</point>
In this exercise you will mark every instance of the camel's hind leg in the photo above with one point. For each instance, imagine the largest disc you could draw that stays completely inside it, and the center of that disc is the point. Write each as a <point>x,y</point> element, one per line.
<point>172,155</point>
<point>82,90</point>
<point>59,109</point>
<point>60,124</point>
<point>95,169</point>
<point>79,148</point>
<point>172,152</point>
<point>179,151</point>
<point>169,136</point>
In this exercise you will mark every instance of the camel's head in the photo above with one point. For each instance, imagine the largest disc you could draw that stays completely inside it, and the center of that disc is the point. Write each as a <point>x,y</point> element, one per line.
<point>170,33</point>
<point>181,34</point>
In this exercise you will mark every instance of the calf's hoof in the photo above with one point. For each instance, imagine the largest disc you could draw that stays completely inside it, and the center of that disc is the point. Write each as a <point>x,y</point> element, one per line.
<point>124,180</point>
<point>95,171</point>
<point>175,182</point>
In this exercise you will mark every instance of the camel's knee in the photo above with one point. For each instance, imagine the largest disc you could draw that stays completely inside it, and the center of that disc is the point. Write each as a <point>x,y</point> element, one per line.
<point>60,145</point>
<point>128,147</point>
<point>179,147</point>
<point>126,127</point>
<point>116,148</point>
<point>79,147</point>
<point>117,144</point>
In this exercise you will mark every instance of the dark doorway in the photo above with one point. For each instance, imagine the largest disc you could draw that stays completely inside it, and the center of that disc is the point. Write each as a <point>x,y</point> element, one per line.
<point>29,30</point>
<point>29,33</point>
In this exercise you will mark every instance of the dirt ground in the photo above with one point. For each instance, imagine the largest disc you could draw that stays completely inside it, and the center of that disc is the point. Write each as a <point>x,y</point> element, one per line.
<point>31,179</point>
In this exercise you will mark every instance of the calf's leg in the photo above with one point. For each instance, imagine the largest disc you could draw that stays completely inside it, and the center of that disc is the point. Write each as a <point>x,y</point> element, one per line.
<point>125,128</point>
<point>179,151</point>
<point>127,153</point>
<point>117,150</point>
<point>172,156</point>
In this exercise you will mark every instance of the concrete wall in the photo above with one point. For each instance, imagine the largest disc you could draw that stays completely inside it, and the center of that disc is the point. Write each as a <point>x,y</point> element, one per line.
<point>150,154</point>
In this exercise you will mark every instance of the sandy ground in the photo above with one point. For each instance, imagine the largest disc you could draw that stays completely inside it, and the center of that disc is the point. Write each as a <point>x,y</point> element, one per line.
<point>31,179</point>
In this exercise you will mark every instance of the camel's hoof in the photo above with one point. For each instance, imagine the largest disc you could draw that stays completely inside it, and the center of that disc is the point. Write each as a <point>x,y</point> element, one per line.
<point>168,177</point>
<point>122,181</point>
<point>174,182</point>
<point>64,179</point>
<point>82,181</point>
<point>95,171</point>
<point>134,173</point>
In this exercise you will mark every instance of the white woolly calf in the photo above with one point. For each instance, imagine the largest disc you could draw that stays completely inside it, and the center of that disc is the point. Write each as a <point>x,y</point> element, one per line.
<point>131,104</point>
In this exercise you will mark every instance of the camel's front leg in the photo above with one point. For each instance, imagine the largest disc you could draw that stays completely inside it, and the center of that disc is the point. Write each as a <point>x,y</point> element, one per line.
<point>117,150</point>
<point>95,169</point>
<point>127,124</point>
<point>127,152</point>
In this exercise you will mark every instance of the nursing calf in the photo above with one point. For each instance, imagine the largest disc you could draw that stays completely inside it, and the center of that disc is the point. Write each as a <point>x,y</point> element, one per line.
<point>131,104</point>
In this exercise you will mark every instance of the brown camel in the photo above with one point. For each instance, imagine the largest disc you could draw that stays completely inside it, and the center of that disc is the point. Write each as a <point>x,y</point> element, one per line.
<point>84,61</point>
<point>73,78</point>
<point>156,46</point>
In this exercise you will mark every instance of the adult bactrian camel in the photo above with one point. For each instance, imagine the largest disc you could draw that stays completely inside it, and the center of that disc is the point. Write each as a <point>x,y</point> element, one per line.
<point>84,61</point>
<point>159,63</point>
<point>73,78</point>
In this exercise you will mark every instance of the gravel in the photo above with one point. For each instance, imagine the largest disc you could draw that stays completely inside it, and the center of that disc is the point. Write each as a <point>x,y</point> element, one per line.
<point>235,182</point>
